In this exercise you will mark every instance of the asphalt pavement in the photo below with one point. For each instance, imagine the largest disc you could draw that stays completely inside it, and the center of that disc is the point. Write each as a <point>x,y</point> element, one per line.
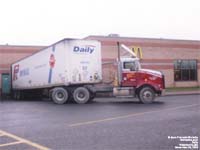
<point>105,124</point>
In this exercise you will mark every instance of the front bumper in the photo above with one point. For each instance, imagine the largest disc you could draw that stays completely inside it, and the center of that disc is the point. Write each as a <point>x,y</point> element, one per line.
<point>160,92</point>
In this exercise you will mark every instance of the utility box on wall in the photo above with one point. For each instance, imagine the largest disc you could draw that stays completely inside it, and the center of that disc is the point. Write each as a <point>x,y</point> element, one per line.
<point>5,84</point>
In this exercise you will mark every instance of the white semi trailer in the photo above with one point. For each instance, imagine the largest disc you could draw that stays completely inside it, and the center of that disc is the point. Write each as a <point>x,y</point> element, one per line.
<point>65,69</point>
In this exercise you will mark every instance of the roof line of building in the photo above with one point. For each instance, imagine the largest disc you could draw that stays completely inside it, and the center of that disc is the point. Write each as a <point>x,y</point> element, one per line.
<point>140,38</point>
<point>109,37</point>
<point>6,45</point>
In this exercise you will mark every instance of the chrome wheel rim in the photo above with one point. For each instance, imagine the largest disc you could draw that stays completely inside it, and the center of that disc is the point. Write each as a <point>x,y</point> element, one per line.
<point>60,96</point>
<point>147,96</point>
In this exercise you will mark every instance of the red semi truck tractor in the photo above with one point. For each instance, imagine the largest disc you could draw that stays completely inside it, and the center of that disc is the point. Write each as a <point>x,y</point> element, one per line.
<point>134,81</point>
<point>70,70</point>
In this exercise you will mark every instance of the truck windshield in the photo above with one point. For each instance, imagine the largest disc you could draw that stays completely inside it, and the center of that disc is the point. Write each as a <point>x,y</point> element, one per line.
<point>132,65</point>
<point>129,65</point>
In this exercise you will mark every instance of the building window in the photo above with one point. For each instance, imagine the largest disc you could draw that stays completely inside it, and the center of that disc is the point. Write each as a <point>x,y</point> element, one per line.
<point>185,70</point>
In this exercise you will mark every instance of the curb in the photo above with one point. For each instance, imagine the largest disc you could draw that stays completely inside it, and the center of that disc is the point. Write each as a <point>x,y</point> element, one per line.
<point>182,93</point>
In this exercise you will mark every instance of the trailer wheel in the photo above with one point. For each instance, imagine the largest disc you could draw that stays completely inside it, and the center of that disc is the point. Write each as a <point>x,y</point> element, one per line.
<point>81,95</point>
<point>59,95</point>
<point>15,95</point>
<point>146,95</point>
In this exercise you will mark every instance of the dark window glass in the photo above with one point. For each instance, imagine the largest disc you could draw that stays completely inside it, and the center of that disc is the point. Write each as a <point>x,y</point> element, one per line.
<point>129,65</point>
<point>177,75</point>
<point>185,70</point>
<point>184,64</point>
<point>193,75</point>
<point>192,64</point>
<point>185,75</point>
<point>177,65</point>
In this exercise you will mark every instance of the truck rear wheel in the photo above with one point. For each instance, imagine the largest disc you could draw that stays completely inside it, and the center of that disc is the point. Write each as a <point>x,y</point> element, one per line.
<point>147,95</point>
<point>59,95</point>
<point>81,95</point>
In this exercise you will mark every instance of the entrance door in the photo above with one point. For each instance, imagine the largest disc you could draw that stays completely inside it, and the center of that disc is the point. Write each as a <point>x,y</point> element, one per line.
<point>5,84</point>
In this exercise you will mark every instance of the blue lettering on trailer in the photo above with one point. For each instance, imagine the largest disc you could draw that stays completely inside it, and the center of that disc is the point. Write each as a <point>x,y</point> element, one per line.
<point>85,49</point>
<point>24,72</point>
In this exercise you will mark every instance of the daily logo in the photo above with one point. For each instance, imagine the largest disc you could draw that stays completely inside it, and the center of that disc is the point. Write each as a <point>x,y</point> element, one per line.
<point>87,49</point>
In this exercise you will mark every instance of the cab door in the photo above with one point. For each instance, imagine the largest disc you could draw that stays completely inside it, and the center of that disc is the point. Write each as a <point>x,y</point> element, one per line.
<point>129,74</point>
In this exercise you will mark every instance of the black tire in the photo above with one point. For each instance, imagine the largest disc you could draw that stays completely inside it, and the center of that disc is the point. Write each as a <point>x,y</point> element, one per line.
<point>18,95</point>
<point>59,95</point>
<point>15,95</point>
<point>22,95</point>
<point>81,95</point>
<point>92,96</point>
<point>146,95</point>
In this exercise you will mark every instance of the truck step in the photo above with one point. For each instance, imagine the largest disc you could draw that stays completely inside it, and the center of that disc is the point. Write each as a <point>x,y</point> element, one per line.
<point>128,96</point>
<point>100,89</point>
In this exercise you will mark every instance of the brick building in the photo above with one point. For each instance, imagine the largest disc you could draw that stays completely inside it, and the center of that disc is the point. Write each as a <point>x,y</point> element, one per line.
<point>179,60</point>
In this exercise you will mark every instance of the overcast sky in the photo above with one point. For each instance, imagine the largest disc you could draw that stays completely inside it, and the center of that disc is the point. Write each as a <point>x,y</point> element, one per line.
<point>43,22</point>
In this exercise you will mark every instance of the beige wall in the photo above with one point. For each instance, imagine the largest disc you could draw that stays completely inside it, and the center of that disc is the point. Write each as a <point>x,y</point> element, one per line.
<point>7,58</point>
<point>170,53</point>
<point>169,77</point>
<point>109,51</point>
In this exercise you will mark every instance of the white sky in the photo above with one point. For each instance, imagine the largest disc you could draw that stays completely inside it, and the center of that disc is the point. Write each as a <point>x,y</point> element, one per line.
<point>43,22</point>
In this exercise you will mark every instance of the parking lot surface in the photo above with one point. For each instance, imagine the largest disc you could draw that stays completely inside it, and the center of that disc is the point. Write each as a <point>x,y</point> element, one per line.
<point>105,124</point>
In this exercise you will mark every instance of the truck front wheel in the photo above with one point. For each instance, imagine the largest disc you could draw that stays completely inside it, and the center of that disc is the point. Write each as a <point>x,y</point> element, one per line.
<point>81,95</point>
<point>59,95</point>
<point>146,95</point>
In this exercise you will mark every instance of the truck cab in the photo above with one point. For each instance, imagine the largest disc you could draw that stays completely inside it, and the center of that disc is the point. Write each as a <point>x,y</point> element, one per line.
<point>145,84</point>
